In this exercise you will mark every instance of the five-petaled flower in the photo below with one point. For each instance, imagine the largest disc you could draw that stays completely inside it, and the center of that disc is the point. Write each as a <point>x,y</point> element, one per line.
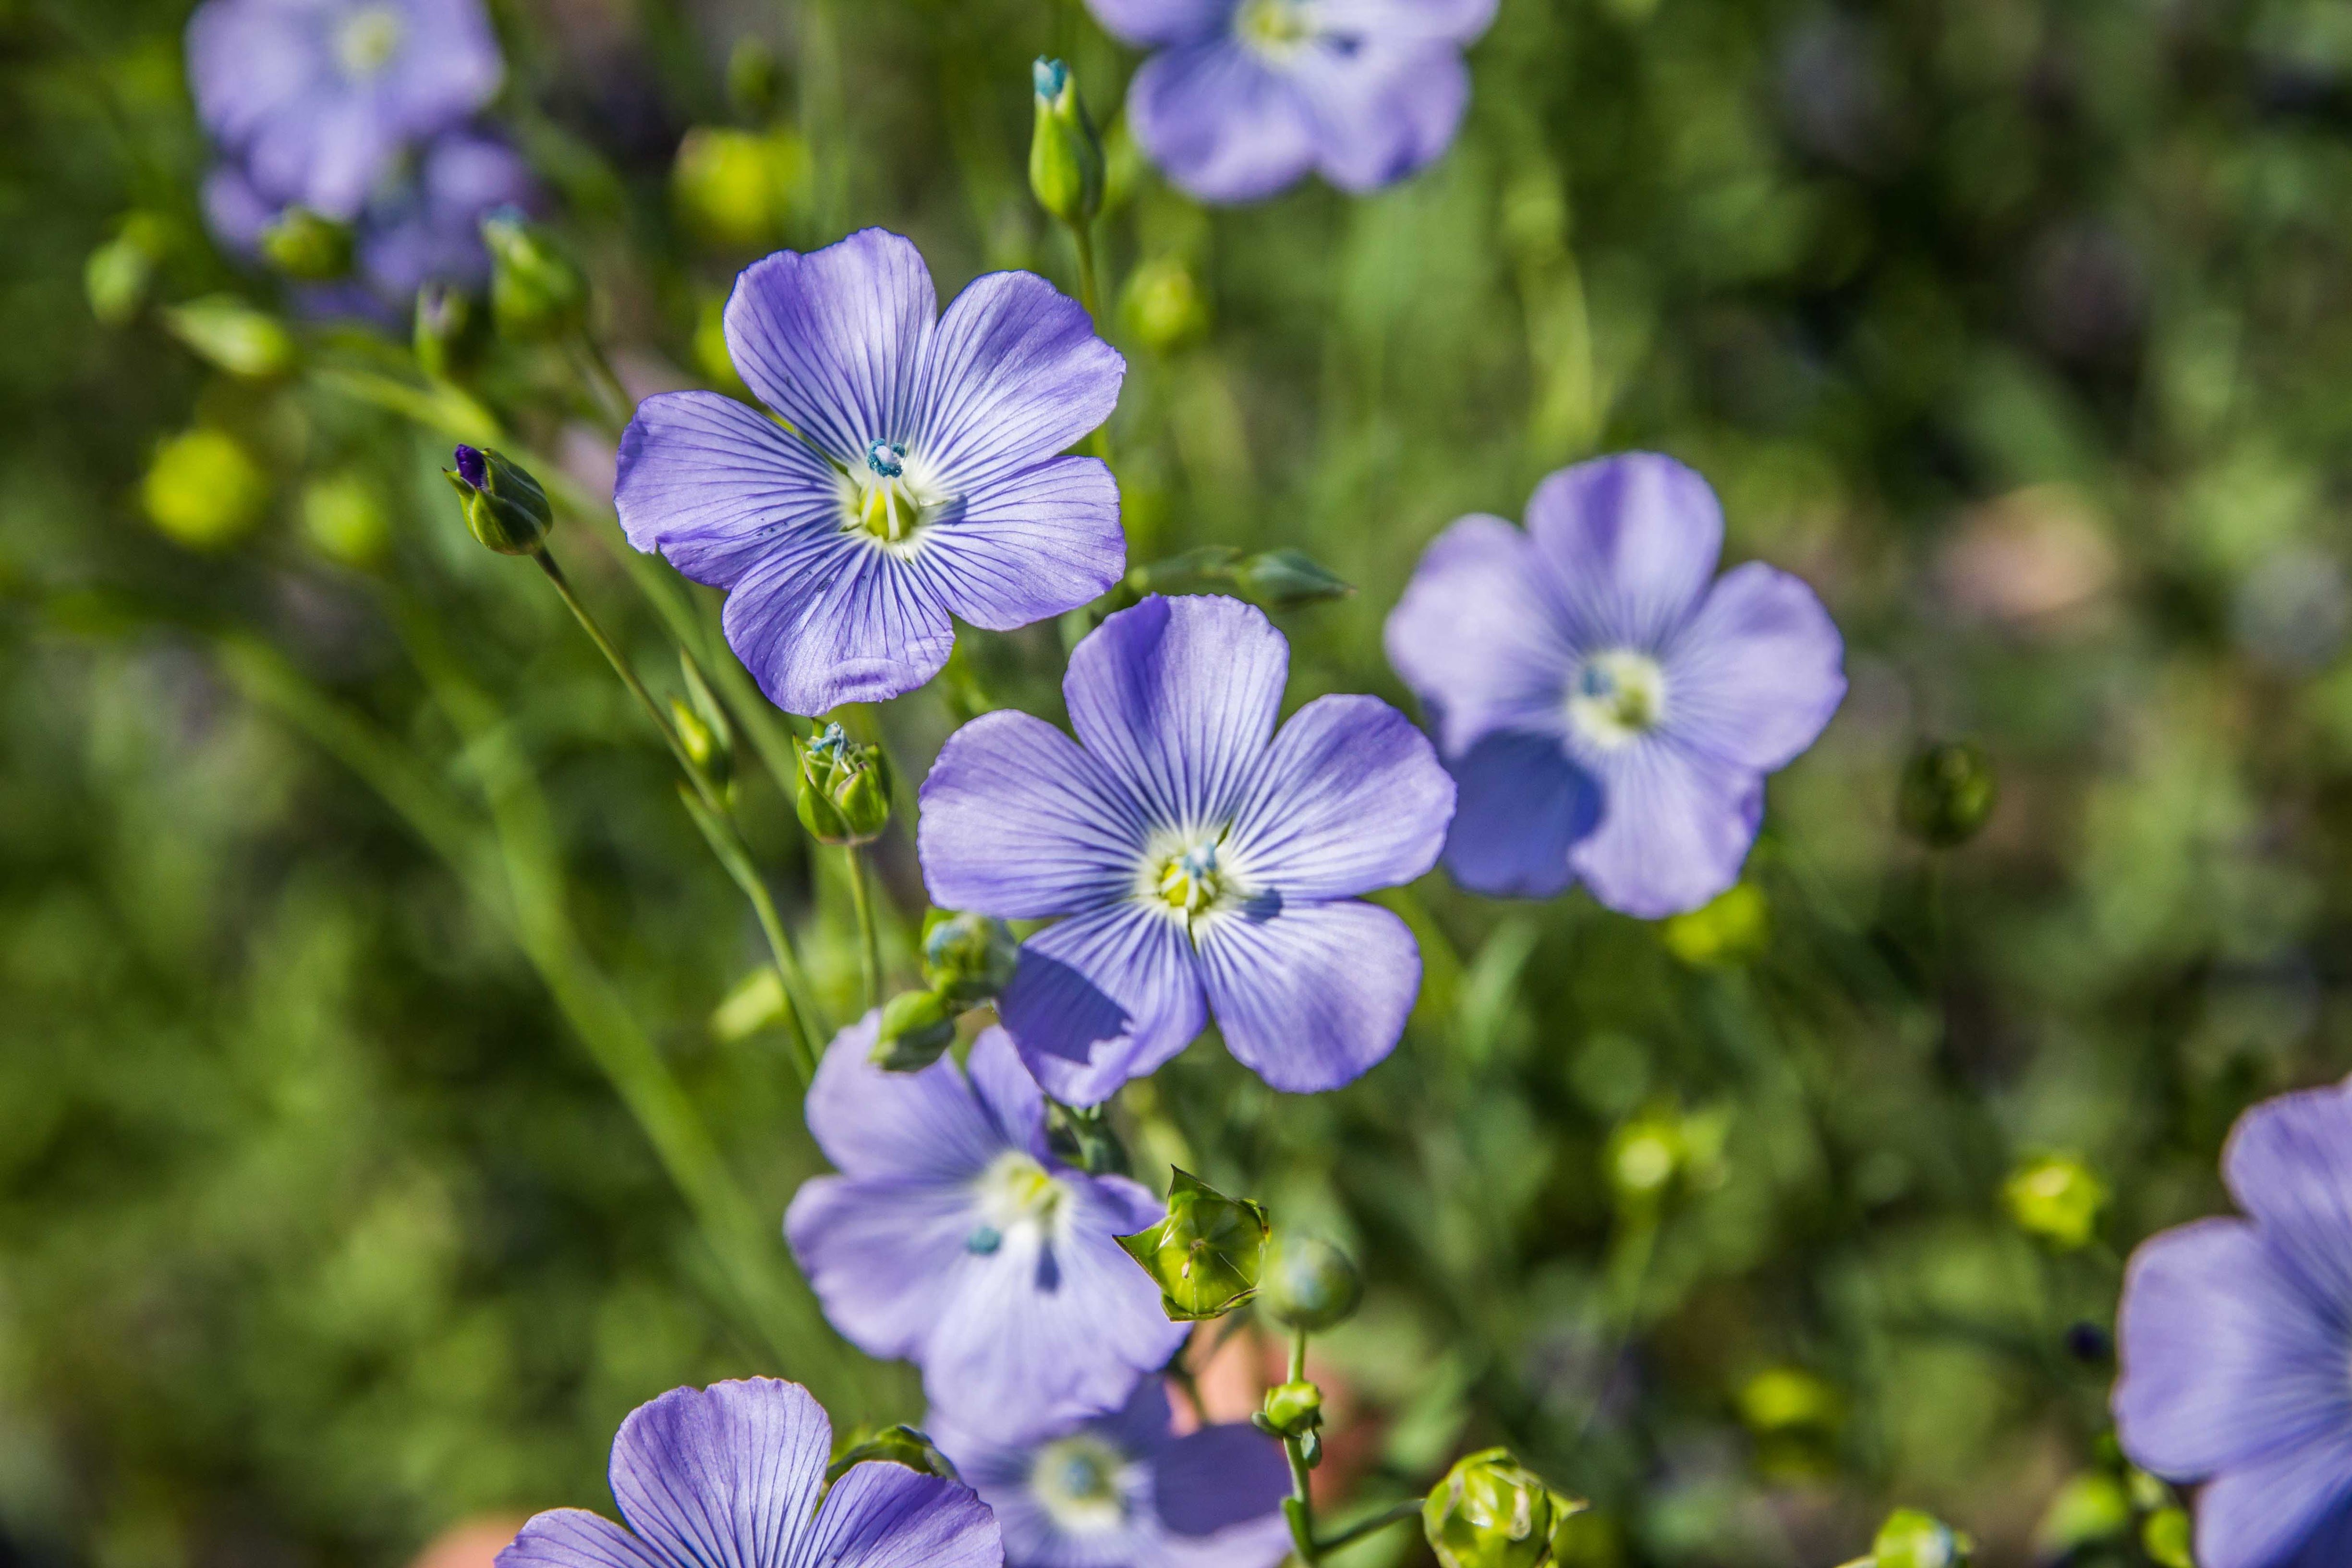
<point>955,1238</point>
<point>731,1477</point>
<point>918,477</point>
<point>1608,712</point>
<point>1247,96</point>
<point>2235,1338</point>
<point>314,99</point>
<point>1124,1492</point>
<point>1204,864</point>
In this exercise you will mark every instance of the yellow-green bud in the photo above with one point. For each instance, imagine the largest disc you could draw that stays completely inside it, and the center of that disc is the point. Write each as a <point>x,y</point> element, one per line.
<point>1164,306</point>
<point>536,290</point>
<point>1731,929</point>
<point>917,1026</point>
<point>1308,1283</point>
<point>230,334</point>
<point>119,274</point>
<point>1910,1538</point>
<point>899,1445</point>
<point>739,187</point>
<point>1065,158</point>
<point>1292,1410</point>
<point>1947,793</point>
<point>2091,1507</point>
<point>204,491</point>
<point>845,794</point>
<point>1491,1512</point>
<point>504,507</point>
<point>2057,1199</point>
<point>969,958</point>
<point>702,727</point>
<point>1783,1399</point>
<point>307,245</point>
<point>450,332</point>
<point>1288,579</point>
<point>344,521</point>
<point>2166,1536</point>
<point>1206,1253</point>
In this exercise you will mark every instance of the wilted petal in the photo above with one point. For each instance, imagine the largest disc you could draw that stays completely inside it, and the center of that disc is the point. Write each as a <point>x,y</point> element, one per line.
<point>1311,997</point>
<point>1219,123</point>
<point>715,486</point>
<point>1674,829</point>
<point>1015,373</point>
<point>1019,823</point>
<point>1523,805</point>
<point>1102,998</point>
<point>1350,797</point>
<point>725,1477</point>
<point>1757,673</point>
<point>834,339</point>
<point>1631,543</point>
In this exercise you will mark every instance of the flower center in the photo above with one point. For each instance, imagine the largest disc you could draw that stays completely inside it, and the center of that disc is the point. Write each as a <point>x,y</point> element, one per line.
<point>1275,29</point>
<point>1015,1193</point>
<point>885,498</point>
<point>1617,697</point>
<point>1188,880</point>
<point>1077,1482</point>
<point>368,39</point>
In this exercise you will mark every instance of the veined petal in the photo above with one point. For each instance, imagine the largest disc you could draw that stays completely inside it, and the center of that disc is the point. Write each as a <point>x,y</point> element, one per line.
<point>883,1255</point>
<point>1177,697</point>
<point>1754,677</point>
<point>2289,1164</point>
<point>2263,1515</point>
<point>712,486</point>
<point>834,339</point>
<point>1147,22</point>
<point>1009,1095</point>
<point>1350,797</point>
<point>1674,829</point>
<point>1383,107</point>
<point>1524,804</point>
<point>1217,1477</point>
<point>828,618</point>
<point>919,1126</point>
<point>1219,123</point>
<point>1018,822</point>
<point>725,1477</point>
<point>1101,998</point>
<point>1313,995</point>
<point>1028,546</point>
<point>1015,373</point>
<point>574,1538</point>
<point>1479,639</point>
<point>1629,543</point>
<point>881,1515</point>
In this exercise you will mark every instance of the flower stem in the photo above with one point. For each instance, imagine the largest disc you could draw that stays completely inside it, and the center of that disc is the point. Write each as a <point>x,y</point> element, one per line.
<point>1395,1513</point>
<point>1089,284</point>
<point>869,957</point>
<point>1298,1508</point>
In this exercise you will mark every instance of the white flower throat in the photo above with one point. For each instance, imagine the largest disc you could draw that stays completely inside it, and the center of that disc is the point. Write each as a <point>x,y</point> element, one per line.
<point>889,497</point>
<point>1014,1195</point>
<point>1080,1482</point>
<point>367,39</point>
<point>1616,697</point>
<point>1273,29</point>
<point>1190,873</point>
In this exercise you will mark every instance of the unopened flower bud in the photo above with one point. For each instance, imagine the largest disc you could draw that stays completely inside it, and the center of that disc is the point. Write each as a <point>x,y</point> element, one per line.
<point>1491,1512</point>
<point>1731,929</point>
<point>1206,1254</point>
<point>845,794</point>
<point>969,958</point>
<point>702,727</point>
<point>204,491</point>
<point>916,1028</point>
<point>119,274</point>
<point>1308,1283</point>
<point>739,187</point>
<point>1947,793</point>
<point>1292,1410</point>
<point>2056,1198</point>
<point>307,245</point>
<point>451,332</point>
<point>344,521</point>
<point>1910,1538</point>
<point>504,509</point>
<point>2166,1537</point>
<point>1641,1158</point>
<point>1286,578</point>
<point>2091,1508</point>
<point>228,333</point>
<point>536,290</point>
<point>1065,157</point>
<point>901,1445</point>
<point>1164,306</point>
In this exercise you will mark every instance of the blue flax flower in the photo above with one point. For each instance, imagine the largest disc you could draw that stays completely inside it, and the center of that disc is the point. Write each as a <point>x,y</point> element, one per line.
<point>918,477</point>
<point>952,1237</point>
<point>731,1477</point>
<point>1205,864</point>
<point>1124,1492</point>
<point>1246,96</point>
<point>314,99</point>
<point>2235,1337</point>
<point>1609,708</point>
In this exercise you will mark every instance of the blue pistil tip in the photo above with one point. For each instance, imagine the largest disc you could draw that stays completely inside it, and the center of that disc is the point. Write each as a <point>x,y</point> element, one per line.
<point>983,1241</point>
<point>1047,76</point>
<point>884,458</point>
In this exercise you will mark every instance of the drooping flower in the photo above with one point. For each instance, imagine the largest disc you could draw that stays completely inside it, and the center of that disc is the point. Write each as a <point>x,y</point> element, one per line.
<point>1205,864</point>
<point>955,1238</point>
<point>1123,1491</point>
<point>1246,96</point>
<point>924,480</point>
<point>2235,1336</point>
<point>314,99</point>
<point>729,1476</point>
<point>1609,708</point>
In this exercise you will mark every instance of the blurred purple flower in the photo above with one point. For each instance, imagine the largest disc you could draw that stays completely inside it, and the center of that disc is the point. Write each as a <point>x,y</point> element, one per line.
<point>952,1237</point>
<point>1204,863</point>
<point>2235,1336</point>
<point>1609,713</point>
<point>1125,1492</point>
<point>729,1476</point>
<point>1245,96</point>
<point>315,99</point>
<point>924,481</point>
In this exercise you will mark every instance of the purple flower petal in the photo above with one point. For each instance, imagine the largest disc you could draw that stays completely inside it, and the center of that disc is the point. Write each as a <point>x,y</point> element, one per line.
<point>1631,541</point>
<point>824,619</point>
<point>884,1257</point>
<point>923,1126</point>
<point>1144,22</point>
<point>1756,674</point>
<point>1524,804</point>
<point>834,339</point>
<point>1313,997</point>
<point>1221,124</point>
<point>574,1538</point>
<point>713,485</point>
<point>1009,1094</point>
<point>1074,841</point>
<point>1015,373</point>
<point>2257,1517</point>
<point>2289,1164</point>
<point>1459,21</point>
<point>2227,1359</point>
<point>1219,1477</point>
<point>881,1515</point>
<point>1028,547</point>
<point>1101,998</point>
<point>1350,797</point>
<point>1477,639</point>
<point>1178,696</point>
<point>1673,831</point>
<point>725,1477</point>
<point>1383,109</point>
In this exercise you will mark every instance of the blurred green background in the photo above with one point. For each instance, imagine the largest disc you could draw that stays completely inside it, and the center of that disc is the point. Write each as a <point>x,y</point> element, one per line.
<point>339,886</point>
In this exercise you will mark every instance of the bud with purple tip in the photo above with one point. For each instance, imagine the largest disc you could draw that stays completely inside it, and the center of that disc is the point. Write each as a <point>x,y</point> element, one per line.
<point>504,506</point>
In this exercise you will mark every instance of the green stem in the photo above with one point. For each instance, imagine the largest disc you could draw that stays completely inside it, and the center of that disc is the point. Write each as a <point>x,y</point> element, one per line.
<point>1298,1508</point>
<point>1395,1513</point>
<point>621,667</point>
<point>869,958</point>
<point>1082,235</point>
